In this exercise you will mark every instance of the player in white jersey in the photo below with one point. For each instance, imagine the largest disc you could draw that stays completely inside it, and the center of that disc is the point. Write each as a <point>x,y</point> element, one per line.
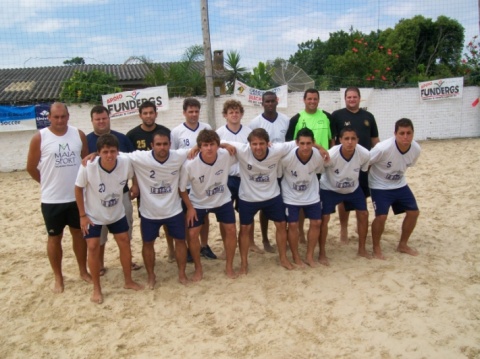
<point>300,191</point>
<point>389,161</point>
<point>185,136</point>
<point>276,124</point>
<point>158,173</point>
<point>208,177</point>
<point>340,183</point>
<point>53,160</point>
<point>99,195</point>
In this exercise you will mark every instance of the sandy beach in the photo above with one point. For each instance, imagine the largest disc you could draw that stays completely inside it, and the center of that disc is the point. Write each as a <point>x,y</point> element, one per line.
<point>404,307</point>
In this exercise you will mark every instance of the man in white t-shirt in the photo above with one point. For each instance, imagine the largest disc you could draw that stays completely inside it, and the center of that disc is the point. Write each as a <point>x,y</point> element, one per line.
<point>207,175</point>
<point>389,160</point>
<point>99,195</point>
<point>300,191</point>
<point>185,136</point>
<point>340,183</point>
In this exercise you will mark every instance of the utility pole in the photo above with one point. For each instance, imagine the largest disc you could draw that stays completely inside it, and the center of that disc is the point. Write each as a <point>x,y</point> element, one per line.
<point>207,50</point>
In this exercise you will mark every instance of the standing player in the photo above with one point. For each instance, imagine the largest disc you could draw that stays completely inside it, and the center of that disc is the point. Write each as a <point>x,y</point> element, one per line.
<point>98,191</point>
<point>53,160</point>
<point>185,136</point>
<point>276,125</point>
<point>340,183</point>
<point>389,161</point>
<point>300,191</point>
<point>100,118</point>
<point>364,124</point>
<point>207,175</point>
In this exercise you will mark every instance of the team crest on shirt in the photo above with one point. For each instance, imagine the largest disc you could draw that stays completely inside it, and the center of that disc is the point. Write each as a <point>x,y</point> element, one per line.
<point>345,183</point>
<point>395,176</point>
<point>259,178</point>
<point>347,123</point>
<point>272,166</point>
<point>366,123</point>
<point>218,172</point>
<point>110,200</point>
<point>174,173</point>
<point>301,186</point>
<point>161,188</point>
<point>216,188</point>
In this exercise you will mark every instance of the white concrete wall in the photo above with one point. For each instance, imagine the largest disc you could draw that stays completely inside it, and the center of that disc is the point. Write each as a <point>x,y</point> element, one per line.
<point>432,120</point>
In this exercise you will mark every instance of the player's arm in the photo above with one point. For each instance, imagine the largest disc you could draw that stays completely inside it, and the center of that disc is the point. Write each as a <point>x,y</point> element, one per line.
<point>323,152</point>
<point>374,140</point>
<point>84,144</point>
<point>85,222</point>
<point>33,157</point>
<point>191,215</point>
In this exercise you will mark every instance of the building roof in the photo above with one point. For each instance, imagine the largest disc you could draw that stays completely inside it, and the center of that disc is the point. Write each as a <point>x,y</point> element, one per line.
<point>44,84</point>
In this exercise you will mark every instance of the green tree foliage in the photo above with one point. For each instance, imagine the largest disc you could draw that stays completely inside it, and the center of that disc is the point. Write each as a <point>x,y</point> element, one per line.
<point>183,78</point>
<point>471,63</point>
<point>261,77</point>
<point>88,87</point>
<point>75,61</point>
<point>236,71</point>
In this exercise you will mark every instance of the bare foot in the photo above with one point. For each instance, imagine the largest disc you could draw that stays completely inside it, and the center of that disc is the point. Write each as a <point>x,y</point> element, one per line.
<point>133,285</point>
<point>58,286</point>
<point>406,249</point>
<point>197,276</point>
<point>364,253</point>
<point>231,273</point>
<point>299,263</point>
<point>254,248</point>
<point>243,270</point>
<point>377,253</point>
<point>222,256</point>
<point>268,247</point>
<point>86,277</point>
<point>311,263</point>
<point>97,298</point>
<point>151,281</point>
<point>286,264</point>
<point>323,260</point>
<point>183,279</point>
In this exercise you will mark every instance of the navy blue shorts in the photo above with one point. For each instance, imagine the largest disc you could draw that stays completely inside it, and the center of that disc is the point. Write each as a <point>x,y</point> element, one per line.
<point>224,214</point>
<point>175,227</point>
<point>274,210</point>
<point>400,199</point>
<point>59,215</point>
<point>119,226</point>
<point>330,199</point>
<point>311,211</point>
<point>363,182</point>
<point>234,185</point>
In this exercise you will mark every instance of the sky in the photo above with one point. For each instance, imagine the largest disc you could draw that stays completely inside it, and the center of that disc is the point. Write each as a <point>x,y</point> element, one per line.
<point>35,33</point>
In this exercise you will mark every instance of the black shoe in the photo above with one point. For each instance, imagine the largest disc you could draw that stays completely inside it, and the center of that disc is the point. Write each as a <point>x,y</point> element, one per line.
<point>189,256</point>
<point>206,252</point>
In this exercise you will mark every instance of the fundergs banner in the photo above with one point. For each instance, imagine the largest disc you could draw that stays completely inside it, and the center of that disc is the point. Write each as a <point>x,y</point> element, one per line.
<point>249,95</point>
<point>127,103</point>
<point>14,118</point>
<point>441,89</point>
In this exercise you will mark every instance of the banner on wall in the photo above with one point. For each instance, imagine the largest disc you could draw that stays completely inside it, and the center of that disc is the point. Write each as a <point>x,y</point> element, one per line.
<point>365,96</point>
<point>41,115</point>
<point>441,89</point>
<point>126,103</point>
<point>17,118</point>
<point>252,96</point>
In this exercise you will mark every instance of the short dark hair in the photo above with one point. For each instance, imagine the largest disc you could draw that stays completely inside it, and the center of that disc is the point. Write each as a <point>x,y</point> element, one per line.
<point>305,132</point>
<point>347,129</point>
<point>107,140</point>
<point>98,109</point>
<point>311,90</point>
<point>403,122</point>
<point>191,102</point>
<point>259,133</point>
<point>207,136</point>
<point>162,132</point>
<point>147,104</point>
<point>352,88</point>
<point>268,93</point>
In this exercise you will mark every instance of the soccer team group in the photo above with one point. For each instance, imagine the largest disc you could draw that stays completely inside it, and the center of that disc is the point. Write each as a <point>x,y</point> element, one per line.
<point>284,169</point>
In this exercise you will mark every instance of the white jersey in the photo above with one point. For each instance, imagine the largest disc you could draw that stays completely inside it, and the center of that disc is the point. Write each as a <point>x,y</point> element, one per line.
<point>184,137</point>
<point>259,178</point>
<point>276,130</point>
<point>240,136</point>
<point>300,182</point>
<point>103,190</point>
<point>341,175</point>
<point>60,158</point>
<point>208,181</point>
<point>388,164</point>
<point>158,183</point>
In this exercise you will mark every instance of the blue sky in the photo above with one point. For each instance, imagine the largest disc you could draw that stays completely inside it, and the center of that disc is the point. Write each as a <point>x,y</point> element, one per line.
<point>37,33</point>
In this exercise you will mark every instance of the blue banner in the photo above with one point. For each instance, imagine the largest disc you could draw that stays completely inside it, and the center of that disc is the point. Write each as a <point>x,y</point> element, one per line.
<point>17,118</point>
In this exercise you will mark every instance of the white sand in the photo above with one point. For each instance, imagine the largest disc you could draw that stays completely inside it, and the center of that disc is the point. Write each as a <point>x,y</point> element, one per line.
<point>405,307</point>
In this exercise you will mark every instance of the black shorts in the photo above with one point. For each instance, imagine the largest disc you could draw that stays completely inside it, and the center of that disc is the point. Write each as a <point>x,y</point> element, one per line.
<point>59,215</point>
